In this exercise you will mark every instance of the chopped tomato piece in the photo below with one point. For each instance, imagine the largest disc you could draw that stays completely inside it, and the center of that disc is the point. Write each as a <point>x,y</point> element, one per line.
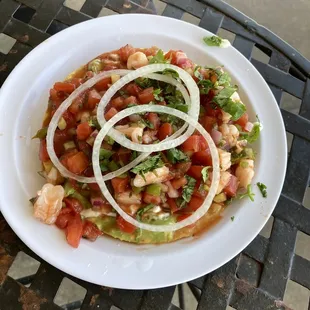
<point>74,231</point>
<point>202,158</point>
<point>231,188</point>
<point>125,226</point>
<point>77,104</point>
<point>162,103</point>
<point>184,216</point>
<point>130,100</point>
<point>60,137</point>
<point>212,110</point>
<point>172,204</point>
<point>110,113</point>
<point>208,122</point>
<point>77,163</point>
<point>242,120</point>
<point>181,169</point>
<point>198,191</point>
<point>63,218</point>
<point>194,143</point>
<point>120,184</point>
<point>85,148</point>
<point>195,172</point>
<point>70,119</point>
<point>65,87</point>
<point>133,89</point>
<point>91,231</point>
<point>76,82</point>
<point>43,155</point>
<point>148,198</point>
<point>178,183</point>
<point>94,187</point>
<point>195,203</point>
<point>54,94</point>
<point>103,84</point>
<point>125,52</point>
<point>93,98</point>
<point>165,131</point>
<point>118,103</point>
<point>73,204</point>
<point>146,95</point>
<point>153,119</point>
<point>64,158</point>
<point>123,156</point>
<point>83,131</point>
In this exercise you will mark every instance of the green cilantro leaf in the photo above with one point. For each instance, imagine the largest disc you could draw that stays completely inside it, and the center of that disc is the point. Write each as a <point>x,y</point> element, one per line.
<point>175,155</point>
<point>148,165</point>
<point>41,133</point>
<point>205,86</point>
<point>159,58</point>
<point>205,173</point>
<point>156,93</point>
<point>263,189</point>
<point>213,40</point>
<point>253,135</point>
<point>144,210</point>
<point>105,154</point>
<point>246,153</point>
<point>248,193</point>
<point>179,106</point>
<point>232,218</point>
<point>172,73</point>
<point>188,189</point>
<point>197,73</point>
<point>146,123</point>
<point>143,82</point>
<point>93,122</point>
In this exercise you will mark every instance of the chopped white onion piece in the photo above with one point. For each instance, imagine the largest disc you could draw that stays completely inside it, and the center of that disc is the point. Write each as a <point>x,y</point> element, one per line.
<point>194,123</point>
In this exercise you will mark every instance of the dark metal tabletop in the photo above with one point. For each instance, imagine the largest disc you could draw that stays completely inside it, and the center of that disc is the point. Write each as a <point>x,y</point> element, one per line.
<point>254,279</point>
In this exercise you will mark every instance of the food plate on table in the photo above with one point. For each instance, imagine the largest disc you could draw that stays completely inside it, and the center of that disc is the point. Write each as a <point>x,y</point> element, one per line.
<point>157,147</point>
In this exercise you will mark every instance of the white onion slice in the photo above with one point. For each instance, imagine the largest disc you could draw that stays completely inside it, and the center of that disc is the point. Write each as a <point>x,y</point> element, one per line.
<point>58,114</point>
<point>159,109</point>
<point>193,102</point>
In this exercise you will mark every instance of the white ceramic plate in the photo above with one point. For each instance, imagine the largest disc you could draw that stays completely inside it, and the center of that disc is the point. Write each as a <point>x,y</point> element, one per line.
<point>109,262</point>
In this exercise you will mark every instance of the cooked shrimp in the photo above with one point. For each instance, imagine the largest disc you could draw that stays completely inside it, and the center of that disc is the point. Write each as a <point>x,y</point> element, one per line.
<point>240,145</point>
<point>225,157</point>
<point>128,198</point>
<point>158,175</point>
<point>137,60</point>
<point>48,203</point>
<point>172,192</point>
<point>224,179</point>
<point>225,117</point>
<point>149,136</point>
<point>230,134</point>
<point>245,172</point>
<point>135,133</point>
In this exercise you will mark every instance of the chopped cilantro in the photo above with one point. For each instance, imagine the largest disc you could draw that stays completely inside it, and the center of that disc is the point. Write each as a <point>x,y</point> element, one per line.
<point>159,58</point>
<point>248,193</point>
<point>263,189</point>
<point>253,135</point>
<point>144,210</point>
<point>170,89</point>
<point>205,173</point>
<point>134,155</point>
<point>188,189</point>
<point>105,154</point>
<point>246,153</point>
<point>156,93</point>
<point>93,122</point>
<point>41,133</point>
<point>232,218</point>
<point>148,165</point>
<point>171,72</point>
<point>224,79</point>
<point>146,123</point>
<point>109,140</point>
<point>197,73</point>
<point>174,155</point>
<point>144,82</point>
<point>205,86</point>
<point>213,40</point>
<point>179,106</point>
<point>173,120</point>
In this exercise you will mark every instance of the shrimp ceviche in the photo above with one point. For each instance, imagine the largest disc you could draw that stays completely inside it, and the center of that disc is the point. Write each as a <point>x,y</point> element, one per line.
<point>144,146</point>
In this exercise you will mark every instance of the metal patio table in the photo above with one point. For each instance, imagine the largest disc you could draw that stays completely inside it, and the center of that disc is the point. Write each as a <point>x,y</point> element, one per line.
<point>254,279</point>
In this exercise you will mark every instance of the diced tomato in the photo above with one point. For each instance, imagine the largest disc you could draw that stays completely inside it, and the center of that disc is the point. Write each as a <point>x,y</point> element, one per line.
<point>65,87</point>
<point>172,205</point>
<point>202,158</point>
<point>194,143</point>
<point>206,100</point>
<point>181,169</point>
<point>77,163</point>
<point>198,191</point>
<point>153,119</point>
<point>63,219</point>
<point>123,155</point>
<point>93,98</point>
<point>195,172</point>
<point>208,122</point>
<point>125,52</point>
<point>110,113</point>
<point>64,158</point>
<point>148,198</point>
<point>76,82</point>
<point>184,216</point>
<point>89,172</point>
<point>242,120</point>
<point>74,231</point>
<point>77,104</point>
<point>103,84</point>
<point>133,89</point>
<point>212,110</point>
<point>125,226</point>
<point>231,188</point>
<point>83,131</point>
<point>130,100</point>
<point>120,184</point>
<point>146,95</point>
<point>69,118</point>
<point>43,155</point>
<point>94,187</point>
<point>54,94</point>
<point>91,231</point>
<point>195,203</point>
<point>165,131</point>
<point>178,183</point>
<point>162,103</point>
<point>60,137</point>
<point>172,56</point>
<point>73,204</point>
<point>85,148</point>
<point>118,103</point>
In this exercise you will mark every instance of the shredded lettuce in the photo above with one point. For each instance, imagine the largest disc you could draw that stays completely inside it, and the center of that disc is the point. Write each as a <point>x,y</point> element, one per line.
<point>253,135</point>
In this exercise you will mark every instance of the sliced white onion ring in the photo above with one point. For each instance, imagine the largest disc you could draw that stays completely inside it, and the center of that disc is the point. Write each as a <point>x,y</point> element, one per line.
<point>159,109</point>
<point>193,102</point>
<point>58,114</point>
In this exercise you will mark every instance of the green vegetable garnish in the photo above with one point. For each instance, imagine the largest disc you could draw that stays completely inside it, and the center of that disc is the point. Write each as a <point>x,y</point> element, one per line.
<point>213,40</point>
<point>113,166</point>
<point>206,86</point>
<point>246,153</point>
<point>137,190</point>
<point>148,165</point>
<point>232,218</point>
<point>144,210</point>
<point>159,58</point>
<point>249,193</point>
<point>175,155</point>
<point>41,133</point>
<point>253,135</point>
<point>154,189</point>
<point>224,79</point>
<point>109,140</point>
<point>171,72</point>
<point>70,191</point>
<point>105,154</point>
<point>205,173</point>
<point>263,189</point>
<point>33,200</point>
<point>188,190</point>
<point>156,93</point>
<point>147,123</point>
<point>93,122</point>
<point>144,82</point>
